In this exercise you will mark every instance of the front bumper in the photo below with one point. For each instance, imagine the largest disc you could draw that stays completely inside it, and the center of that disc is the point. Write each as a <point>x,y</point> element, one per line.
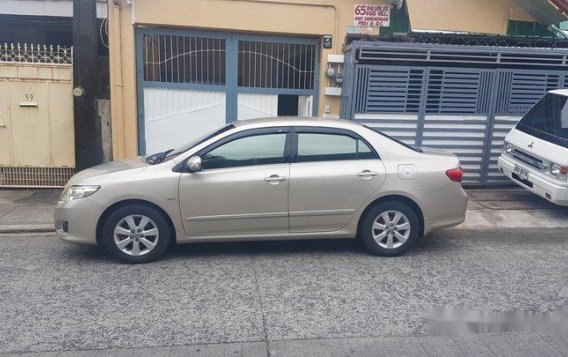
<point>76,221</point>
<point>542,186</point>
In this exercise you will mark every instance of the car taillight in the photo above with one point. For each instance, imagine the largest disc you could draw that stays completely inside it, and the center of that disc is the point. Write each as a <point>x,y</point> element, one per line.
<point>455,174</point>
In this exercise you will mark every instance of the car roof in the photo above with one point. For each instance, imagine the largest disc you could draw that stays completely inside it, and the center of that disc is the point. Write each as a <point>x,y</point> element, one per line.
<point>562,91</point>
<point>298,121</point>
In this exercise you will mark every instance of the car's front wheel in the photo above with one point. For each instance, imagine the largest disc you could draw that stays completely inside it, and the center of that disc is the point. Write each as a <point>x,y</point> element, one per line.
<point>389,229</point>
<point>136,234</point>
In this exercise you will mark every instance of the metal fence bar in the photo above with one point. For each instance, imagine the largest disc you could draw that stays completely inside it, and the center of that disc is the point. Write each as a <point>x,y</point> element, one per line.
<point>35,53</point>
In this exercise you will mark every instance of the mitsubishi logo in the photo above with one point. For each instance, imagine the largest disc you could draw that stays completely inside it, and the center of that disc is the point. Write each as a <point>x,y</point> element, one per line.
<point>531,145</point>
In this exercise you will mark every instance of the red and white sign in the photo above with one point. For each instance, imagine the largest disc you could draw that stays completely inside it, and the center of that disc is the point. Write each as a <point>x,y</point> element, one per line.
<point>371,15</point>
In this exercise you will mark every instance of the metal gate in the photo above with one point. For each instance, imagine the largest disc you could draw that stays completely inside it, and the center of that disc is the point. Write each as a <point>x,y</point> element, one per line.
<point>190,82</point>
<point>461,99</point>
<point>36,116</point>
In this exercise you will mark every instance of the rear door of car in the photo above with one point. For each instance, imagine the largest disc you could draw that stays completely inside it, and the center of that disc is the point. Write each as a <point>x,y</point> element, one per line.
<point>333,172</point>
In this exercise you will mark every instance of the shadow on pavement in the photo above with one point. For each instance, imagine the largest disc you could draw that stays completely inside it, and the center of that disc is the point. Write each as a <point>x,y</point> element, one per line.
<point>331,247</point>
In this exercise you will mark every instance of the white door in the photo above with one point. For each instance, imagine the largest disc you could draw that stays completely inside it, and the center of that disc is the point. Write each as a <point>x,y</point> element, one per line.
<point>251,106</point>
<point>173,117</point>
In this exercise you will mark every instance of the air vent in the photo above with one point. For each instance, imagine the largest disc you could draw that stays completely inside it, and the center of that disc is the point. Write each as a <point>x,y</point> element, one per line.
<point>35,176</point>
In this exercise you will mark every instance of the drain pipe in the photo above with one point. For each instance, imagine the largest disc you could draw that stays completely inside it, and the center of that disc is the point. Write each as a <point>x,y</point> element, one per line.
<point>117,112</point>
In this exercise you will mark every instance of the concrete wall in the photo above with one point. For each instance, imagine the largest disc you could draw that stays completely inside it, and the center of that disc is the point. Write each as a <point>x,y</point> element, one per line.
<point>284,17</point>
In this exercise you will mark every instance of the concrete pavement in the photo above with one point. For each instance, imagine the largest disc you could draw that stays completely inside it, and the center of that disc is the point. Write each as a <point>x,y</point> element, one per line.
<point>28,211</point>
<point>510,207</point>
<point>286,298</point>
<point>491,344</point>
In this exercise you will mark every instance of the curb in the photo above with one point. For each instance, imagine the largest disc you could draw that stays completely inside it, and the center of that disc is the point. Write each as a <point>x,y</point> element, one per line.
<point>511,219</point>
<point>27,228</point>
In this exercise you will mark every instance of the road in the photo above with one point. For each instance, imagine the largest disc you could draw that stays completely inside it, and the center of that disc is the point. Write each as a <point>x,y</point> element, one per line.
<point>57,296</point>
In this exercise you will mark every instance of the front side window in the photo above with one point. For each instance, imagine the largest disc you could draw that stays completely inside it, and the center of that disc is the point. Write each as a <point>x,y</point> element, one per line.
<point>548,120</point>
<point>263,149</point>
<point>331,147</point>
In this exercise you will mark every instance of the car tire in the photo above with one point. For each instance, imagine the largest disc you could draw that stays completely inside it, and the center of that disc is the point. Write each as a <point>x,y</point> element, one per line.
<point>136,234</point>
<point>389,229</point>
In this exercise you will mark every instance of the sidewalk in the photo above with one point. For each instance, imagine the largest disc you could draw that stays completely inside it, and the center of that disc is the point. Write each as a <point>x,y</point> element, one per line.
<point>511,207</point>
<point>28,211</point>
<point>515,344</point>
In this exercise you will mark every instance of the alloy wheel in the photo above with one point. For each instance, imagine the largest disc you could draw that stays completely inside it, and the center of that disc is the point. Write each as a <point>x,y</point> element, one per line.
<point>391,229</point>
<point>136,235</point>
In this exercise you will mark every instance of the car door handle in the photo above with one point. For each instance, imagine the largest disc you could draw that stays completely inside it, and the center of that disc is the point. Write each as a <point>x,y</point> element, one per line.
<point>367,173</point>
<point>275,178</point>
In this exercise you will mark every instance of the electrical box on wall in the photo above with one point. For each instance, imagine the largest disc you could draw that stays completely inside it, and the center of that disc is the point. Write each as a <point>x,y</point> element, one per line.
<point>335,58</point>
<point>335,75</point>
<point>327,41</point>
<point>333,91</point>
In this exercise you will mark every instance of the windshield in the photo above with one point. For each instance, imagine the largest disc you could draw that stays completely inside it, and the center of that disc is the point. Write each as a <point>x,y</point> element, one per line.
<point>548,120</point>
<point>171,153</point>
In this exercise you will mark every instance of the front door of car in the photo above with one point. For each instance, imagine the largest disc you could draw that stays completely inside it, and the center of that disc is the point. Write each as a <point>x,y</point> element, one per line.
<point>242,188</point>
<point>333,174</point>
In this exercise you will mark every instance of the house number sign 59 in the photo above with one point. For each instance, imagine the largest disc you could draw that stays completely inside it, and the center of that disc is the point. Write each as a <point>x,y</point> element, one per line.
<point>28,101</point>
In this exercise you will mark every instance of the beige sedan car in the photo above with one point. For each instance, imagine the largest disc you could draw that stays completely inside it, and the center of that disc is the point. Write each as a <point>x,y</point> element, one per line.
<point>266,179</point>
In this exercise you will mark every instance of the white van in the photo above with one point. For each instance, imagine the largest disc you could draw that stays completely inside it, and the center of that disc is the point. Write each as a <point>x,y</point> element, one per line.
<point>535,152</point>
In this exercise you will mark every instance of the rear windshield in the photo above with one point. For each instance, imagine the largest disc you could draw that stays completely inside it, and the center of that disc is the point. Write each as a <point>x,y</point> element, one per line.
<point>548,120</point>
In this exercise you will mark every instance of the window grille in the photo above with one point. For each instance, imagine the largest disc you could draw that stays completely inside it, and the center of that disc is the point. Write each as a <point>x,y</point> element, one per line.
<point>184,59</point>
<point>276,65</point>
<point>390,90</point>
<point>34,53</point>
<point>455,91</point>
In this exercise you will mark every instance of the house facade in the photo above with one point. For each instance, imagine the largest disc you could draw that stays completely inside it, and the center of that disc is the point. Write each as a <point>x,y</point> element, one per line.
<point>37,131</point>
<point>181,68</point>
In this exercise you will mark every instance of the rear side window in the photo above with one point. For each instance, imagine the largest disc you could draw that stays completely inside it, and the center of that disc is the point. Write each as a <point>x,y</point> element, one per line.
<point>548,120</point>
<point>331,147</point>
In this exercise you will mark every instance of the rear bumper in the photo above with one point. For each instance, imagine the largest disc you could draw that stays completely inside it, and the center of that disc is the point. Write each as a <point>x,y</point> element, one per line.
<point>443,207</point>
<point>76,221</point>
<point>542,186</point>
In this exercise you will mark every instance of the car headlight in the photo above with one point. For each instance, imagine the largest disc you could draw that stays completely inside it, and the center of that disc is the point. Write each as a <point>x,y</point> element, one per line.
<point>559,171</point>
<point>76,192</point>
<point>507,148</point>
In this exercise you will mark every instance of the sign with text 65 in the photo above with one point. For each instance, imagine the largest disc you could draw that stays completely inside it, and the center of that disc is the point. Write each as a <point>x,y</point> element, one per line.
<point>371,15</point>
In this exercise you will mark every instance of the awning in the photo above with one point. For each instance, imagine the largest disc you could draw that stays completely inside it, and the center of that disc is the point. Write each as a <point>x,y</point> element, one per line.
<point>481,16</point>
<point>546,12</point>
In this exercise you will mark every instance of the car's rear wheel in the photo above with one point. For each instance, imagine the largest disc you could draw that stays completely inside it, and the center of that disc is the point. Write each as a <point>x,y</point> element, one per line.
<point>389,229</point>
<point>136,234</point>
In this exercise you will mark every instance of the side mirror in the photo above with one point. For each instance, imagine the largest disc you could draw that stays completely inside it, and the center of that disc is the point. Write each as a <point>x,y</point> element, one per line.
<point>194,164</point>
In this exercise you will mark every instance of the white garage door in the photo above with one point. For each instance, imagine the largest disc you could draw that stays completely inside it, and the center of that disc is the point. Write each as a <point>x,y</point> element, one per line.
<point>191,82</point>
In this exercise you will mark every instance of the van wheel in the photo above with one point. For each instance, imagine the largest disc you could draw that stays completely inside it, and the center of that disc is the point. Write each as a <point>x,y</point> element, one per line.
<point>136,234</point>
<point>389,229</point>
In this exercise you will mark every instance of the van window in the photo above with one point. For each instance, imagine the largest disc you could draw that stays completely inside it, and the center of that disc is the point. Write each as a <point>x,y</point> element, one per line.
<point>548,120</point>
